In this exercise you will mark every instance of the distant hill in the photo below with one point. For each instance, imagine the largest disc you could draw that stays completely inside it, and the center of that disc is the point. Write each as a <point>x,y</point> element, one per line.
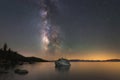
<point>16,57</point>
<point>85,60</point>
<point>35,59</point>
<point>113,60</point>
<point>12,57</point>
<point>110,60</point>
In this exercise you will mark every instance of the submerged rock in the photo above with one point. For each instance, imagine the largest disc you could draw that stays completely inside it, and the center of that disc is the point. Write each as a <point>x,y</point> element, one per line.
<point>21,63</point>
<point>31,62</point>
<point>62,62</point>
<point>21,72</point>
<point>3,71</point>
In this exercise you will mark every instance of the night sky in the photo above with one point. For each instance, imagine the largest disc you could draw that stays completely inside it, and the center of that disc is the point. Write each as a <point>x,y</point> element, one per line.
<point>86,26</point>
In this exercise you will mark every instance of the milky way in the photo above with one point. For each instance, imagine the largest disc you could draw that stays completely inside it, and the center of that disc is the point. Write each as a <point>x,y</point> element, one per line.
<point>50,34</point>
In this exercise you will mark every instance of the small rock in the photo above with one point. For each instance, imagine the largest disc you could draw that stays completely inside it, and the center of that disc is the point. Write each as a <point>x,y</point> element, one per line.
<point>21,72</point>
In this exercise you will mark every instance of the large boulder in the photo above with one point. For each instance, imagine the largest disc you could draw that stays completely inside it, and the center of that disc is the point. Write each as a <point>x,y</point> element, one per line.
<point>62,62</point>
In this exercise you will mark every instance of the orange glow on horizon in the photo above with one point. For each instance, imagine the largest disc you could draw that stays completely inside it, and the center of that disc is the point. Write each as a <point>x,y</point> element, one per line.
<point>89,55</point>
<point>96,55</point>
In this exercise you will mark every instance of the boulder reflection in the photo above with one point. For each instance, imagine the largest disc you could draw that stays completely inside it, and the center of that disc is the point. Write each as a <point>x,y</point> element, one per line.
<point>62,68</point>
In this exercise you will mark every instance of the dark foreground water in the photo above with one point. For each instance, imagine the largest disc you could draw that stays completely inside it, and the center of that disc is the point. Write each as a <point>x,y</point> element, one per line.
<point>77,71</point>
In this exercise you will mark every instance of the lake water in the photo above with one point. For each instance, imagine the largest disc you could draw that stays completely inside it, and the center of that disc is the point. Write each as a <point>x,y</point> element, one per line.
<point>77,71</point>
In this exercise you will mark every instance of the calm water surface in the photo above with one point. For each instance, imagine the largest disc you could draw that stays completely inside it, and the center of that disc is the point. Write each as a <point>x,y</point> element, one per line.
<point>77,71</point>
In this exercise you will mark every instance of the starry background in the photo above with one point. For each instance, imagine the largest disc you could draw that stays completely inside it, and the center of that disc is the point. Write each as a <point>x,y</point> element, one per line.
<point>87,25</point>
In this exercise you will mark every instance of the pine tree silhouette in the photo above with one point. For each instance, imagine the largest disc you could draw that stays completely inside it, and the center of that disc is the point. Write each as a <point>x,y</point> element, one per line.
<point>5,47</point>
<point>9,50</point>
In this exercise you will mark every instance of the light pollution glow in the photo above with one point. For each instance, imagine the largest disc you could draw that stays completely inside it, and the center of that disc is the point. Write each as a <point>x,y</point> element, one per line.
<point>89,55</point>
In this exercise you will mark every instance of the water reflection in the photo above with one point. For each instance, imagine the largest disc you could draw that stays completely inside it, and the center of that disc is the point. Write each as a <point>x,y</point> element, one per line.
<point>77,71</point>
<point>62,68</point>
